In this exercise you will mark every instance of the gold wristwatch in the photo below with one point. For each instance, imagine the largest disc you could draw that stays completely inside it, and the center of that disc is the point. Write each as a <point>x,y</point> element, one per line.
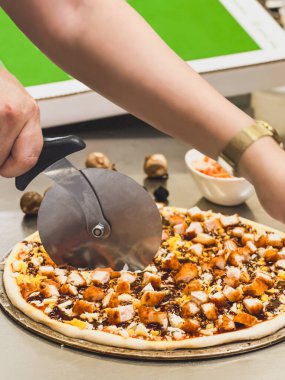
<point>247,136</point>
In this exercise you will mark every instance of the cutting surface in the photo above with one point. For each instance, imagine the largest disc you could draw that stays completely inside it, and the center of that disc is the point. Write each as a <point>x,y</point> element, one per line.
<point>24,355</point>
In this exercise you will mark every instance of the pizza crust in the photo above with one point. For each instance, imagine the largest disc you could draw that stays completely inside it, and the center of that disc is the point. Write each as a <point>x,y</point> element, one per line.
<point>258,331</point>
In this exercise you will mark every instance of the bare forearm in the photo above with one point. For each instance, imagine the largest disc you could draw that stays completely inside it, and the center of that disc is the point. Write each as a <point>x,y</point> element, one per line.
<point>108,46</point>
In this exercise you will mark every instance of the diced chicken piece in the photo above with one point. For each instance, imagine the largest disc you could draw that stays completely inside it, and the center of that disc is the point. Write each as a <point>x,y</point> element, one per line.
<point>256,288</point>
<point>247,237</point>
<point>189,309</point>
<point>234,272</point>
<point>170,262</point>
<point>231,281</point>
<point>251,246</point>
<point>152,298</point>
<point>238,231</point>
<point>27,289</point>
<point>165,235</point>
<point>120,314</point>
<point>210,311</point>
<point>193,229</point>
<point>49,290</point>
<point>46,270</point>
<point>152,278</point>
<point>186,273</point>
<point>275,240</point>
<point>76,279</point>
<point>196,214</point>
<point>225,324</point>
<point>128,276</point>
<point>244,276</point>
<point>230,220</point>
<point>245,319</point>
<point>148,315</point>
<point>192,286</point>
<point>199,297</point>
<point>99,277</point>
<point>125,298</point>
<point>218,299</point>
<point>266,278</point>
<point>174,220</point>
<point>175,321</point>
<point>280,264</point>
<point>260,240</point>
<point>270,255</point>
<point>212,224</point>
<point>190,326</point>
<point>235,259</point>
<point>196,249</point>
<point>253,305</point>
<point>123,287</point>
<point>219,262</point>
<point>111,299</point>
<point>233,295</point>
<point>230,246</point>
<point>282,254</point>
<point>81,307</point>
<point>148,288</point>
<point>204,239</point>
<point>61,279</point>
<point>68,289</point>
<point>180,228</point>
<point>93,294</point>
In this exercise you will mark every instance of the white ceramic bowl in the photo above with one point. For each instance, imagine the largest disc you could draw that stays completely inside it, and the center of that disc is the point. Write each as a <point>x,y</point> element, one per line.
<point>222,191</point>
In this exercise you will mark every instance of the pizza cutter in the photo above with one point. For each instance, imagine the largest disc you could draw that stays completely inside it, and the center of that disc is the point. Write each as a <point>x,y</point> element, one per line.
<point>93,217</point>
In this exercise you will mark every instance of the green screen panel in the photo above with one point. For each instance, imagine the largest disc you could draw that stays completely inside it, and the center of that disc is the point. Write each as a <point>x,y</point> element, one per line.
<point>196,29</point>
<point>23,59</point>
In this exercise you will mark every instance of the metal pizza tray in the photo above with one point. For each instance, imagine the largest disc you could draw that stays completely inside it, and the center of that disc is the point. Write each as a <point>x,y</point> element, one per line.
<point>174,355</point>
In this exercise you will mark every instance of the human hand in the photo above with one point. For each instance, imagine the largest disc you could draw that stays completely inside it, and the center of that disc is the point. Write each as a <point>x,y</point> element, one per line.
<point>263,164</point>
<point>20,133</point>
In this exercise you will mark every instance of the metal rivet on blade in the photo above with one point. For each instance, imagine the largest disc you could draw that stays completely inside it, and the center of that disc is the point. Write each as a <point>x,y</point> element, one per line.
<point>98,230</point>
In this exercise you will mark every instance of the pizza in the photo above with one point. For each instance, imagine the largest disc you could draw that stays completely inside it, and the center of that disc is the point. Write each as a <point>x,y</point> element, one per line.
<point>215,279</point>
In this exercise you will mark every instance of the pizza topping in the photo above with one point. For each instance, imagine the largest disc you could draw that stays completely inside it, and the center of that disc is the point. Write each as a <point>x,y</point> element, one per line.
<point>253,305</point>
<point>199,297</point>
<point>68,289</point>
<point>210,311</point>
<point>186,273</point>
<point>212,274</point>
<point>245,319</point>
<point>76,279</point>
<point>46,270</point>
<point>93,294</point>
<point>100,276</point>
<point>153,279</point>
<point>189,309</point>
<point>152,298</point>
<point>149,315</point>
<point>233,295</point>
<point>120,314</point>
<point>225,324</point>
<point>81,307</point>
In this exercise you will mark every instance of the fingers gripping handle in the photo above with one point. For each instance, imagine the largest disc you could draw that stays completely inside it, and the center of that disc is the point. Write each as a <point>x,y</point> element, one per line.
<point>53,150</point>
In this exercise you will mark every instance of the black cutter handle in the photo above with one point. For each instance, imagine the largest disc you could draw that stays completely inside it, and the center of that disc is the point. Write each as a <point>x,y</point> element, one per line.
<point>53,150</point>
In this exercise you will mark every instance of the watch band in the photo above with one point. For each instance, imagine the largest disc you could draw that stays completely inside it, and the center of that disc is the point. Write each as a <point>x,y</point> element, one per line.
<point>247,136</point>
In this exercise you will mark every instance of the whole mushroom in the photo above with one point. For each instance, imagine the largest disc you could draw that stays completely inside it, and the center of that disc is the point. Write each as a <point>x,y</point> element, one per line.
<point>30,202</point>
<point>156,166</point>
<point>98,160</point>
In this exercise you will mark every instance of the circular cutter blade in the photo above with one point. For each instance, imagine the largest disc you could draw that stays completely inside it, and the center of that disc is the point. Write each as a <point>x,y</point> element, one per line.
<point>130,210</point>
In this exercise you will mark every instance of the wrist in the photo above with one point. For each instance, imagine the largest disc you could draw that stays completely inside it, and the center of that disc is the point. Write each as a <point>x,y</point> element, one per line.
<point>261,158</point>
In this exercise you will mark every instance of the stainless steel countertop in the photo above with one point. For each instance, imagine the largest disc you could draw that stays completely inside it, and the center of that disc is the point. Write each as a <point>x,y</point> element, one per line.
<point>26,356</point>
